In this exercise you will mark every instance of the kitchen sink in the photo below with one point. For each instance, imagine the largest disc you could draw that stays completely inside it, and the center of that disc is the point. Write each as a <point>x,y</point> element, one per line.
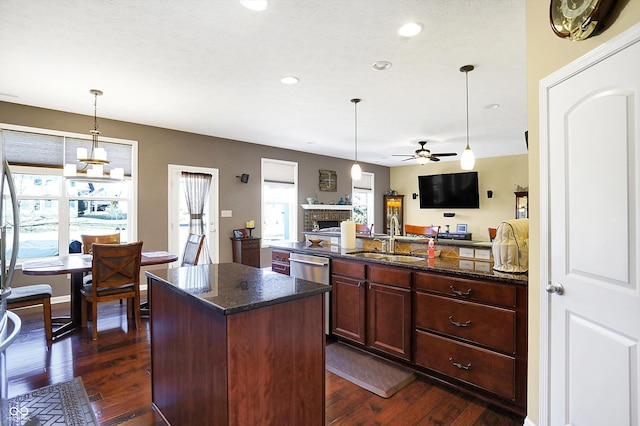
<point>389,257</point>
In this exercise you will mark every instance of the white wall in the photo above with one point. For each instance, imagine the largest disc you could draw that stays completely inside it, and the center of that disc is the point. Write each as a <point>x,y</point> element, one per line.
<point>502,175</point>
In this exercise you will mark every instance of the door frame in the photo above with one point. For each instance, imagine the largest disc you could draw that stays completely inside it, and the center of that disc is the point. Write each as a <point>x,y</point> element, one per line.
<point>588,60</point>
<point>213,237</point>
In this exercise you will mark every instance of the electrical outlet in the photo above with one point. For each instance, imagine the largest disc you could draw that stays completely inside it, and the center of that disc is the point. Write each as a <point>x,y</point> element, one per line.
<point>482,266</point>
<point>466,264</point>
<point>483,254</point>
<point>335,241</point>
<point>225,213</point>
<point>466,252</point>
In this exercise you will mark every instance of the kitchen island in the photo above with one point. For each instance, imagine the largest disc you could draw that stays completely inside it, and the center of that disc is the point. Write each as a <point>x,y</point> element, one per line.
<point>236,345</point>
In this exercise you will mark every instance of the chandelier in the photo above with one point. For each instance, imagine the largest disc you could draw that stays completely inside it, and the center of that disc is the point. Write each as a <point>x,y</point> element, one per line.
<point>95,160</point>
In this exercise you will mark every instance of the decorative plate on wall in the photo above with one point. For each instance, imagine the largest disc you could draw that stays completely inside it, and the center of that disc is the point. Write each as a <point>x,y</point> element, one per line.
<point>328,180</point>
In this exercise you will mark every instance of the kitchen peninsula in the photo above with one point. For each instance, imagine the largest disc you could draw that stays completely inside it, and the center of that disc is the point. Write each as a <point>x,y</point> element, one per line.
<point>451,318</point>
<point>236,345</point>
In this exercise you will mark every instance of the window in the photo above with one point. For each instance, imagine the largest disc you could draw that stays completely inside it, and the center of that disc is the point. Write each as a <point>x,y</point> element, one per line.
<point>279,201</point>
<point>56,210</point>
<point>363,199</point>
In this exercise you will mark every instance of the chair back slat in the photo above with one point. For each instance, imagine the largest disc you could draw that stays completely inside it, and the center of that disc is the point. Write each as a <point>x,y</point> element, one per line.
<point>89,240</point>
<point>192,250</point>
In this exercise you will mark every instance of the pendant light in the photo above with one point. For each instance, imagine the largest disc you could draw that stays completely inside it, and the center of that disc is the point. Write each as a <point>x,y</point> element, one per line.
<point>468,160</point>
<point>356,171</point>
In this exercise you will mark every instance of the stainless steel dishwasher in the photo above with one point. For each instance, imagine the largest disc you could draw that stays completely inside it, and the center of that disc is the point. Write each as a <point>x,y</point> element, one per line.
<point>316,269</point>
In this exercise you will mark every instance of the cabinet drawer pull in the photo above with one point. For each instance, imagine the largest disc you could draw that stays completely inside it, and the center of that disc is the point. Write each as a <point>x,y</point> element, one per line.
<point>459,324</point>
<point>359,284</point>
<point>458,292</point>
<point>460,366</point>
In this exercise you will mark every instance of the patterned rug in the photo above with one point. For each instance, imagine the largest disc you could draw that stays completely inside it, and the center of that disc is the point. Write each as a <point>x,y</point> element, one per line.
<point>64,403</point>
<point>368,372</point>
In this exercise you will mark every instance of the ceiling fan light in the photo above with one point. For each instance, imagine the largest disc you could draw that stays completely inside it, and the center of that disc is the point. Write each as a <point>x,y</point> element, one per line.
<point>422,160</point>
<point>468,159</point>
<point>256,5</point>
<point>356,171</point>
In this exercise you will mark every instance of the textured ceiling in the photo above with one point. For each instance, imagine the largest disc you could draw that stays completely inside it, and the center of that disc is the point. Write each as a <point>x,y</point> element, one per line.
<point>214,68</point>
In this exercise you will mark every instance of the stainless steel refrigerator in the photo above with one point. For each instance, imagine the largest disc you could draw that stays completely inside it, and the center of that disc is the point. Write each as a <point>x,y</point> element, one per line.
<point>9,322</point>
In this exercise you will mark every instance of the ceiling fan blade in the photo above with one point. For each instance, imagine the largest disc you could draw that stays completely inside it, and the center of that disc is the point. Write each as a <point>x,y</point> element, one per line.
<point>408,159</point>
<point>402,155</point>
<point>444,154</point>
<point>435,159</point>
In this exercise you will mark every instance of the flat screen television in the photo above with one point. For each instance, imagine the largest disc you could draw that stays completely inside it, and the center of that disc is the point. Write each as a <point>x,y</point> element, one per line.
<point>449,191</point>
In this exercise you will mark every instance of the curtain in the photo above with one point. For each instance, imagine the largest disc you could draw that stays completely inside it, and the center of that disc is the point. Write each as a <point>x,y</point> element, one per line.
<point>196,191</point>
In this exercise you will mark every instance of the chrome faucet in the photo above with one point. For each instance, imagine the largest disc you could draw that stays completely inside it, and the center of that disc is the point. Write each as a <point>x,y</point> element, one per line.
<point>393,233</point>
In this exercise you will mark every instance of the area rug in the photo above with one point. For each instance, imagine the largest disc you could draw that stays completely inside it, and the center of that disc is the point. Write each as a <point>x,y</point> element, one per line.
<point>64,403</point>
<point>368,372</point>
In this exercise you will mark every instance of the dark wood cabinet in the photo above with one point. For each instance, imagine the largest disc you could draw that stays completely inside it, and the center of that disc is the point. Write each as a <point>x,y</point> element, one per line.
<point>348,300</point>
<point>468,332</point>
<point>372,306</point>
<point>246,251</point>
<point>280,261</point>
<point>473,332</point>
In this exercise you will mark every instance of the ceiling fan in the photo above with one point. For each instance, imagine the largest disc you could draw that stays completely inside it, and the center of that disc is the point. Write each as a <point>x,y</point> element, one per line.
<point>423,155</point>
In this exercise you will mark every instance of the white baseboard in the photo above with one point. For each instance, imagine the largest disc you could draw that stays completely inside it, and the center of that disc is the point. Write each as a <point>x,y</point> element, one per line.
<point>67,298</point>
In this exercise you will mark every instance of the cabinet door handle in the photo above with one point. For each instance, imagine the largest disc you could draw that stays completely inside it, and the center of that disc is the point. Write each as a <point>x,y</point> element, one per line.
<point>460,366</point>
<point>459,324</point>
<point>359,284</point>
<point>458,292</point>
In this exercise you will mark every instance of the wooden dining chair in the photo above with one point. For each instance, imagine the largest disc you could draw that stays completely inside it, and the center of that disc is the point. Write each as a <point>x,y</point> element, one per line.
<point>88,240</point>
<point>116,275</point>
<point>87,243</point>
<point>361,228</point>
<point>428,231</point>
<point>192,250</point>
<point>31,295</point>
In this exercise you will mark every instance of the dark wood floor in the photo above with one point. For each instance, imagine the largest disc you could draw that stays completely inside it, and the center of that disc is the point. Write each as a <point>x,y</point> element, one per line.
<point>115,372</point>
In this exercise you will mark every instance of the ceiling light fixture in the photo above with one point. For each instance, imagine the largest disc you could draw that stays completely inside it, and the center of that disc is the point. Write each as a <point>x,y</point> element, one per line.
<point>410,29</point>
<point>468,159</point>
<point>97,158</point>
<point>289,79</point>
<point>256,5</point>
<point>381,65</point>
<point>356,171</point>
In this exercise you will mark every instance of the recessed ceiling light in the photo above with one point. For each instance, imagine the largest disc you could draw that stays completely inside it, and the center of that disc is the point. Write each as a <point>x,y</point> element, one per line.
<point>492,106</point>
<point>410,29</point>
<point>289,79</point>
<point>257,5</point>
<point>381,65</point>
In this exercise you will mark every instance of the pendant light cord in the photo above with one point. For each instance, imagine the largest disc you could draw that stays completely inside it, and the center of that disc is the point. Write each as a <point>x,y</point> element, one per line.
<point>466,75</point>
<point>355,130</point>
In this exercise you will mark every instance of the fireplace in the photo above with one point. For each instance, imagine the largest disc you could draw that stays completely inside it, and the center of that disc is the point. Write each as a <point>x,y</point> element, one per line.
<point>322,224</point>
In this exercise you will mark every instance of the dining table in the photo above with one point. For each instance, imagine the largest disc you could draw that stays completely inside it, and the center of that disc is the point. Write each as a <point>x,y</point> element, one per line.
<point>77,265</point>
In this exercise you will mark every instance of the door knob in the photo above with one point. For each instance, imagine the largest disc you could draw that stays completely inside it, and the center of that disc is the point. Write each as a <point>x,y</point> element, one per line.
<point>555,288</point>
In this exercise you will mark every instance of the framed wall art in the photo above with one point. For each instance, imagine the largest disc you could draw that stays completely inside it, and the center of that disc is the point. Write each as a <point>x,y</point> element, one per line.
<point>328,181</point>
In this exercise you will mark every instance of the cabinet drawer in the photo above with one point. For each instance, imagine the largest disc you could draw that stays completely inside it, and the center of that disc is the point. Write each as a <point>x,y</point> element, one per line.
<point>390,275</point>
<point>280,268</point>
<point>488,370</point>
<point>486,325</point>
<point>345,267</point>
<point>280,256</point>
<point>483,291</point>
<point>251,244</point>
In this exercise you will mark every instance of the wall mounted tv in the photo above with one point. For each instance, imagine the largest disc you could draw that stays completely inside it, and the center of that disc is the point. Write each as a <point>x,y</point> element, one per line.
<point>449,191</point>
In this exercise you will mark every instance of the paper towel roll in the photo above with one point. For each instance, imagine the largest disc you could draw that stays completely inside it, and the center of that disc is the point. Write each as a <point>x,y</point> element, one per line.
<point>348,234</point>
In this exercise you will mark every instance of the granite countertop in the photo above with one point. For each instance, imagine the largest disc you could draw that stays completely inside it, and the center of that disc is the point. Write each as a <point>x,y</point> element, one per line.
<point>232,287</point>
<point>450,265</point>
<point>403,238</point>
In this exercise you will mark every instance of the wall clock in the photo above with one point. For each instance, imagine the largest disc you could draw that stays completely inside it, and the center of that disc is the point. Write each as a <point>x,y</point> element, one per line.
<point>328,180</point>
<point>577,19</point>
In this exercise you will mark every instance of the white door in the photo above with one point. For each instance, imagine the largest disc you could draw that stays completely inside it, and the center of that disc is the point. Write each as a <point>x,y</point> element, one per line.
<point>590,137</point>
<point>179,220</point>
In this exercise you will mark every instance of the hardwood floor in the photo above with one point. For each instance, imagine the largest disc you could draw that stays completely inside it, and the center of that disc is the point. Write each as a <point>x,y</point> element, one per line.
<point>115,372</point>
